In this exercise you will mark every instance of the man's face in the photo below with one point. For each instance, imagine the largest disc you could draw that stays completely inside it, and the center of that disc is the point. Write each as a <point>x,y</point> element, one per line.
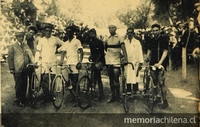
<point>130,34</point>
<point>156,31</point>
<point>69,33</point>
<point>112,29</point>
<point>31,32</point>
<point>20,38</point>
<point>47,32</point>
<point>92,34</point>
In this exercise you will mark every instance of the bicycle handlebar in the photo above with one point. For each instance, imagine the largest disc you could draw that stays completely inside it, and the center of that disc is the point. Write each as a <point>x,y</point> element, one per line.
<point>34,65</point>
<point>62,68</point>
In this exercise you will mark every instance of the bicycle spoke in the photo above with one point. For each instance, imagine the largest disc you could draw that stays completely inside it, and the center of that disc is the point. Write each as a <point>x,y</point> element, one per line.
<point>84,90</point>
<point>34,90</point>
<point>58,92</point>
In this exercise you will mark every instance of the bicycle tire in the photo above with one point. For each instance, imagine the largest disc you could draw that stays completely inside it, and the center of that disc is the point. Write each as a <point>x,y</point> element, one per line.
<point>151,96</point>
<point>125,104</point>
<point>84,92</point>
<point>35,88</point>
<point>58,91</point>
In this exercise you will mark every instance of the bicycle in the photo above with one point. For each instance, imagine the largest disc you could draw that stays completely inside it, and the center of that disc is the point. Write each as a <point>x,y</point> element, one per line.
<point>86,86</point>
<point>148,90</point>
<point>35,86</point>
<point>60,84</point>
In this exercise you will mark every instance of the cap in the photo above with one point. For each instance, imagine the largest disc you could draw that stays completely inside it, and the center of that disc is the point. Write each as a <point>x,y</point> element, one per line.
<point>112,24</point>
<point>173,33</point>
<point>191,19</point>
<point>197,4</point>
<point>179,22</point>
<point>92,30</point>
<point>32,28</point>
<point>19,32</point>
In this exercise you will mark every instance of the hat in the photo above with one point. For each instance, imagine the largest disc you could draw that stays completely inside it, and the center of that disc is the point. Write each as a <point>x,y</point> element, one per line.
<point>43,25</point>
<point>191,19</point>
<point>112,24</point>
<point>19,32</point>
<point>32,28</point>
<point>173,33</point>
<point>197,4</point>
<point>179,22</point>
<point>92,30</point>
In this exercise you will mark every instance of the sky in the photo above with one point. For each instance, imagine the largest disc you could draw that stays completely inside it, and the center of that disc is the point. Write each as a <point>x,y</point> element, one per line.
<point>91,11</point>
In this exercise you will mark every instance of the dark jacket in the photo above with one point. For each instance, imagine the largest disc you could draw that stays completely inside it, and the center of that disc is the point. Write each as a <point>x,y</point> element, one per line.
<point>97,50</point>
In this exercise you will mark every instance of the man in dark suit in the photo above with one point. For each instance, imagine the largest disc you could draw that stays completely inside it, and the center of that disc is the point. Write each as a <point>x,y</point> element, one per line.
<point>97,55</point>
<point>19,55</point>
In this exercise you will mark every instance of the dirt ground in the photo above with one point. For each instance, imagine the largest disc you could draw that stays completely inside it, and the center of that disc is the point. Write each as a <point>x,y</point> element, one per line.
<point>182,97</point>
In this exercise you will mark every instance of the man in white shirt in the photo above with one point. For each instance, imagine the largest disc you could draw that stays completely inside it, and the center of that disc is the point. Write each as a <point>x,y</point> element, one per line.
<point>135,56</point>
<point>73,51</point>
<point>46,48</point>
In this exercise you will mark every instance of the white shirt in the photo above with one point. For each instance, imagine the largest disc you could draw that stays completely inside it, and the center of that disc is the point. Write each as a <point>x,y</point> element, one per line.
<point>134,55</point>
<point>71,49</point>
<point>48,46</point>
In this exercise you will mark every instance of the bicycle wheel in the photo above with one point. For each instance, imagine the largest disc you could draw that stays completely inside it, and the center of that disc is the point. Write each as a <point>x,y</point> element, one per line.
<point>84,92</point>
<point>151,95</point>
<point>34,90</point>
<point>58,91</point>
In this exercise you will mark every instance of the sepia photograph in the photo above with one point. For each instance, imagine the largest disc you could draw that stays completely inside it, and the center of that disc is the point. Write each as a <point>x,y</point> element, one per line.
<point>100,63</point>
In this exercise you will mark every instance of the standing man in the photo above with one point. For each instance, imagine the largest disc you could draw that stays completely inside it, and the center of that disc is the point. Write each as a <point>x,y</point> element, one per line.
<point>31,41</point>
<point>135,55</point>
<point>156,55</point>
<point>98,57</point>
<point>73,51</point>
<point>113,46</point>
<point>19,55</point>
<point>47,48</point>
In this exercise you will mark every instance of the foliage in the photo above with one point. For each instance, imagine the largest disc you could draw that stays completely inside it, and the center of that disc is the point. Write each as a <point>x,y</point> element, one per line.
<point>52,8</point>
<point>175,9</point>
<point>137,18</point>
<point>25,11</point>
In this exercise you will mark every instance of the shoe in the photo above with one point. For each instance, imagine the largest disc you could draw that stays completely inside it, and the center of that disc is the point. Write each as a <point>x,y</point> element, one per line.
<point>70,87</point>
<point>119,99</point>
<point>75,105</point>
<point>112,99</point>
<point>157,100</point>
<point>99,98</point>
<point>165,104</point>
<point>72,99</point>
<point>21,104</point>
<point>16,101</point>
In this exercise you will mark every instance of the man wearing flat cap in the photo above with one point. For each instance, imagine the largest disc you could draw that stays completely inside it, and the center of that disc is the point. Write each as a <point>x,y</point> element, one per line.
<point>19,55</point>
<point>31,41</point>
<point>97,56</point>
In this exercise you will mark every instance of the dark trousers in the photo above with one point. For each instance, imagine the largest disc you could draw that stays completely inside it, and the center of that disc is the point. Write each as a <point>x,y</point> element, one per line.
<point>20,86</point>
<point>114,73</point>
<point>97,76</point>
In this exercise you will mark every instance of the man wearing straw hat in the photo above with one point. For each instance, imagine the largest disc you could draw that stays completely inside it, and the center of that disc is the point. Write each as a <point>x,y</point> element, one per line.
<point>19,55</point>
<point>46,49</point>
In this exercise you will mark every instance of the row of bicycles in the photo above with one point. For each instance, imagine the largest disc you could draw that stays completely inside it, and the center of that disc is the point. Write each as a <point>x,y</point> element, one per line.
<point>85,89</point>
<point>83,92</point>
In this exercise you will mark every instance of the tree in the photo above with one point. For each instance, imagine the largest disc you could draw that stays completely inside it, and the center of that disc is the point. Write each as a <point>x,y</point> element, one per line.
<point>174,9</point>
<point>137,18</point>
<point>25,11</point>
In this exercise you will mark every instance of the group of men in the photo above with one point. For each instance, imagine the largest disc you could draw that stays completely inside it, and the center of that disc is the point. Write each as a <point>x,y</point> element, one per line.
<point>109,53</point>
